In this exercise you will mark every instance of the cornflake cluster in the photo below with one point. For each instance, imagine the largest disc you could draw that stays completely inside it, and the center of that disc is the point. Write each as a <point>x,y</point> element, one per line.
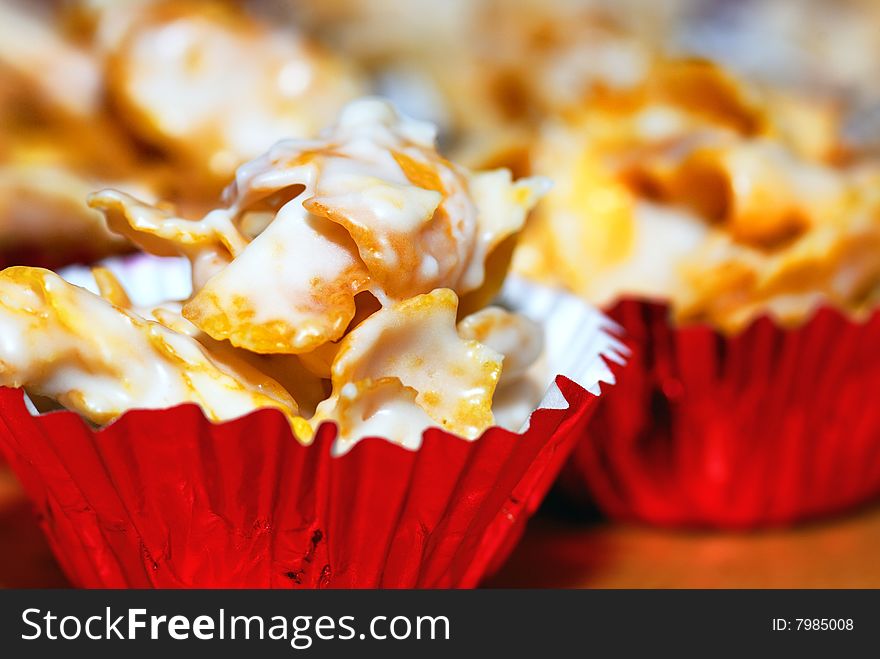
<point>695,188</point>
<point>346,280</point>
<point>163,99</point>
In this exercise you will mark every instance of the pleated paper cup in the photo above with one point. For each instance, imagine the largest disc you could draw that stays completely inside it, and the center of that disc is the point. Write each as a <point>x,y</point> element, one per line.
<point>767,427</point>
<point>166,498</point>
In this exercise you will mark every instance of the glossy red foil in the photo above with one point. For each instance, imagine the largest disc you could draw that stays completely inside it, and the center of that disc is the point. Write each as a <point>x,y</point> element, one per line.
<point>767,427</point>
<point>168,499</point>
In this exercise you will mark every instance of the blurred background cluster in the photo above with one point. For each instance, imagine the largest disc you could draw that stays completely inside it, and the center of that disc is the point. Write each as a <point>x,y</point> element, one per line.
<point>165,99</point>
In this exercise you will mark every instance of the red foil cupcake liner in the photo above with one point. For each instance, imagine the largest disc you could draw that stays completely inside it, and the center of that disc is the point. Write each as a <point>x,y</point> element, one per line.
<point>168,499</point>
<point>768,427</point>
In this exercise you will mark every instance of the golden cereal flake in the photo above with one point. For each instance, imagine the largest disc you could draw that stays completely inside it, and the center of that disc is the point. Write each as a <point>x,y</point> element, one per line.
<point>419,221</point>
<point>416,343</point>
<point>290,291</point>
<point>306,388</point>
<point>63,342</point>
<point>160,232</point>
<point>376,408</point>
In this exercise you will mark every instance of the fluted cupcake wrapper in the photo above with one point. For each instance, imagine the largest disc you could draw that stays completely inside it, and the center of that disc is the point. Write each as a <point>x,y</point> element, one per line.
<point>169,499</point>
<point>166,498</point>
<point>770,426</point>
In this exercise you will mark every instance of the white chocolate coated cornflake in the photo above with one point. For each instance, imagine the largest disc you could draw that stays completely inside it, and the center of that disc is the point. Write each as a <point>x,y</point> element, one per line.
<point>63,342</point>
<point>415,342</point>
<point>332,279</point>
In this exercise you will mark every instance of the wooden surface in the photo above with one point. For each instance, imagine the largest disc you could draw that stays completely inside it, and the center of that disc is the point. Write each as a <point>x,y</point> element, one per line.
<point>842,553</point>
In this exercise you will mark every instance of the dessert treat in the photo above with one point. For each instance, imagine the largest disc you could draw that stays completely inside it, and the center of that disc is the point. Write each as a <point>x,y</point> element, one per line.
<point>331,250</point>
<point>339,294</point>
<point>161,100</point>
<point>696,191</point>
<point>743,214</point>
